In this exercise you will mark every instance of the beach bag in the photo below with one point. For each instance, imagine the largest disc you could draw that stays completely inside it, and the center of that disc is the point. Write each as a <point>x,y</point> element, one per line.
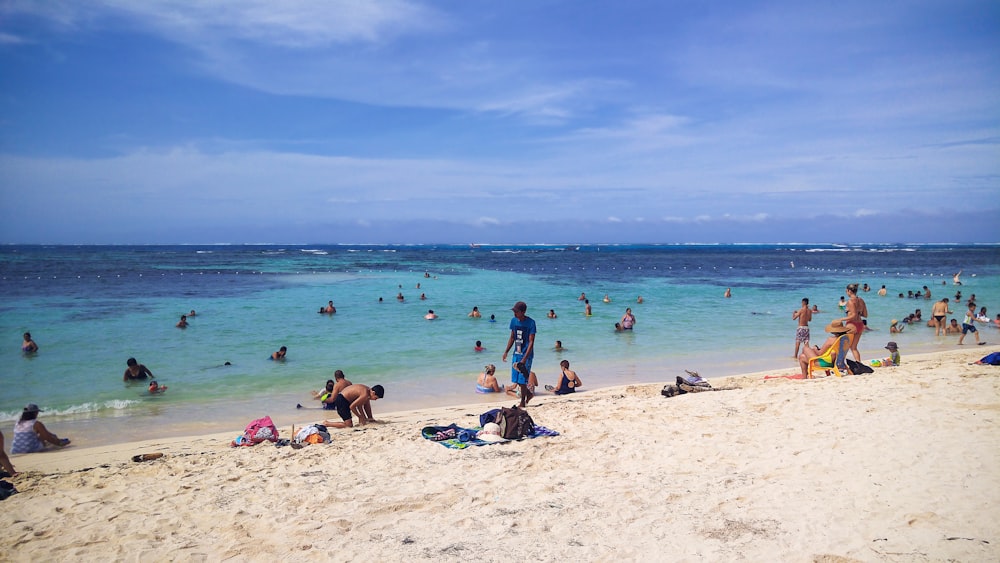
<point>6,489</point>
<point>992,359</point>
<point>515,423</point>
<point>858,368</point>
<point>260,430</point>
<point>488,416</point>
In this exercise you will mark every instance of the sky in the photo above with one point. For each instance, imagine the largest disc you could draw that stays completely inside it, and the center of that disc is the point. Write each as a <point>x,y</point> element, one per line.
<point>535,121</point>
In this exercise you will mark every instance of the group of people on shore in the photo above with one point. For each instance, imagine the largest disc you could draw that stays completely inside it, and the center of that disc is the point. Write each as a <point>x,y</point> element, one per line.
<point>348,399</point>
<point>524,382</point>
<point>854,325</point>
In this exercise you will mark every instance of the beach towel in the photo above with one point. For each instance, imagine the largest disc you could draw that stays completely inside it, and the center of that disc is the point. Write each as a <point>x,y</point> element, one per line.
<point>451,436</point>
<point>991,359</point>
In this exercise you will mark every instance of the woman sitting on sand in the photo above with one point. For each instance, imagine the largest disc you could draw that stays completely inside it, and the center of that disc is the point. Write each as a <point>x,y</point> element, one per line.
<point>30,435</point>
<point>487,382</point>
<point>568,380</point>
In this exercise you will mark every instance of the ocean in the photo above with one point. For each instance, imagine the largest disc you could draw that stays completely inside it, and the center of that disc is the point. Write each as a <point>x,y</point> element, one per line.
<point>90,308</point>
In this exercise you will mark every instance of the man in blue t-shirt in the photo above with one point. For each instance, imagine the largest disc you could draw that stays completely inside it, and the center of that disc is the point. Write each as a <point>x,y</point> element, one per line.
<point>522,338</point>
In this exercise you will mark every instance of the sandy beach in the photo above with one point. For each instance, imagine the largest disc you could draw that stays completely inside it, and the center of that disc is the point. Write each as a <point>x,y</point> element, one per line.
<point>899,465</point>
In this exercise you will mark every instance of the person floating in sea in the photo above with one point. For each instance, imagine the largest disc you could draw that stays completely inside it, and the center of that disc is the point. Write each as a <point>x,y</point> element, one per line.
<point>330,309</point>
<point>479,346</point>
<point>606,298</point>
<point>155,387</point>
<point>728,293</point>
<point>135,371</point>
<point>552,313</point>
<point>183,323</point>
<point>28,346</point>
<point>355,399</point>
<point>430,315</point>
<point>582,297</point>
<point>558,347</point>
<point>475,314</point>
<point>280,354</point>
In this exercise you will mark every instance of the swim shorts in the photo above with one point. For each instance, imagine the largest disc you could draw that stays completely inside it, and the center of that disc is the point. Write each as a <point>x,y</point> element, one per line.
<point>966,328</point>
<point>343,407</point>
<point>802,334</point>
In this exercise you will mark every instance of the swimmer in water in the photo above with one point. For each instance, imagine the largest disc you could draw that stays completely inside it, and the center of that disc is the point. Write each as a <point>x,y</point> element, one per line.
<point>183,323</point>
<point>155,387</point>
<point>552,313</point>
<point>280,354</point>
<point>28,346</point>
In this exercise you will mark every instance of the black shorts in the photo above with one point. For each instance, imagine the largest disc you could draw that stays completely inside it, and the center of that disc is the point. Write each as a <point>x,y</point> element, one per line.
<point>343,407</point>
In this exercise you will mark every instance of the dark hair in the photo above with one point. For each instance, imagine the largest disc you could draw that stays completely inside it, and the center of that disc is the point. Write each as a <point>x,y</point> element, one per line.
<point>131,362</point>
<point>329,385</point>
<point>338,374</point>
<point>379,391</point>
<point>29,415</point>
<point>805,300</point>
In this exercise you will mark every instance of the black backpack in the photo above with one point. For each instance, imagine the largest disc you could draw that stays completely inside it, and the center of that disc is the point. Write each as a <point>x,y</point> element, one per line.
<point>515,423</point>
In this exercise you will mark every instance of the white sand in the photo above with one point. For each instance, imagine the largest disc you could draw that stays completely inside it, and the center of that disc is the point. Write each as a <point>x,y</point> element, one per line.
<point>901,465</point>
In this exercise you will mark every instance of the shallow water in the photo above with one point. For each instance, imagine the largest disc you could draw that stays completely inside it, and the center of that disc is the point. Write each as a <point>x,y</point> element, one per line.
<point>90,308</point>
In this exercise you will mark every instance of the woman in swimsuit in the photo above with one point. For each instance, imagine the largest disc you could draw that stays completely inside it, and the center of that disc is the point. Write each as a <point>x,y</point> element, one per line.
<point>487,382</point>
<point>856,309</point>
<point>568,380</point>
<point>28,346</point>
<point>628,319</point>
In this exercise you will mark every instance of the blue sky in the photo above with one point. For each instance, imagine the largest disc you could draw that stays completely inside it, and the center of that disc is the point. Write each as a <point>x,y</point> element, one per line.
<point>205,121</point>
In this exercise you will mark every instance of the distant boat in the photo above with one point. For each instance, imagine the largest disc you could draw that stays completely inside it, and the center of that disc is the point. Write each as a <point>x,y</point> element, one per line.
<point>473,245</point>
<point>572,248</point>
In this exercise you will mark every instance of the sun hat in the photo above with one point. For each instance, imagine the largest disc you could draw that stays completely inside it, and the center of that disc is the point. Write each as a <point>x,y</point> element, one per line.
<point>891,346</point>
<point>32,407</point>
<point>894,322</point>
<point>520,306</point>
<point>491,433</point>
<point>836,328</point>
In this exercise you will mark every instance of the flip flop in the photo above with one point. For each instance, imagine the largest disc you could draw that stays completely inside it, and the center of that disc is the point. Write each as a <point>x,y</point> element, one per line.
<point>549,388</point>
<point>147,457</point>
<point>64,442</point>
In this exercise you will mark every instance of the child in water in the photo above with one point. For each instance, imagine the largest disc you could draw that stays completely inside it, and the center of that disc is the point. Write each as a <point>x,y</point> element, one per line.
<point>155,387</point>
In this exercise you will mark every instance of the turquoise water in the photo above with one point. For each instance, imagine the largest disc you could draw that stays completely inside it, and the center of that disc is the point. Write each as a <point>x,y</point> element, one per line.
<point>90,308</point>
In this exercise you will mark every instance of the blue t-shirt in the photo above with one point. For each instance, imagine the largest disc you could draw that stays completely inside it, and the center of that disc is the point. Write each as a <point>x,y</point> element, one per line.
<point>522,329</point>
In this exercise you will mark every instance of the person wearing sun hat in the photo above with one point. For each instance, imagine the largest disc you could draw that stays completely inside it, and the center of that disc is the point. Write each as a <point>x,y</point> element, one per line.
<point>522,338</point>
<point>491,433</point>
<point>836,330</point>
<point>30,435</point>
<point>895,327</point>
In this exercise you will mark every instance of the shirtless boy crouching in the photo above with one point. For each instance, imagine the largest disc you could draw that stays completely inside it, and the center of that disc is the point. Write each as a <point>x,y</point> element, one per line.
<point>355,399</point>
